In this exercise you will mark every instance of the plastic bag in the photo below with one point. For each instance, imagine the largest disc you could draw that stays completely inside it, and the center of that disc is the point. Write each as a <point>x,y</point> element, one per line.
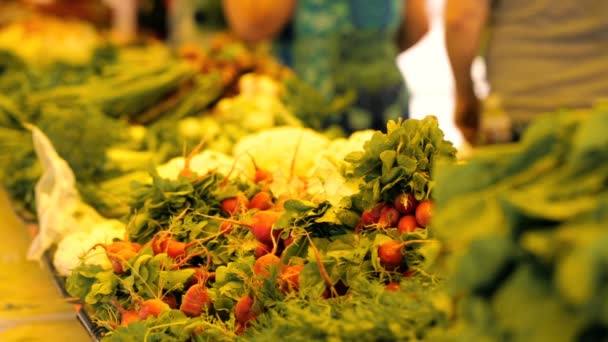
<point>58,204</point>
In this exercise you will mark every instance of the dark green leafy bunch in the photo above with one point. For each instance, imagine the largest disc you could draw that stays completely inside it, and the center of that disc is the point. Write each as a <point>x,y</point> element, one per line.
<point>526,229</point>
<point>369,313</point>
<point>399,161</point>
<point>19,165</point>
<point>81,135</point>
<point>18,78</point>
<point>153,205</point>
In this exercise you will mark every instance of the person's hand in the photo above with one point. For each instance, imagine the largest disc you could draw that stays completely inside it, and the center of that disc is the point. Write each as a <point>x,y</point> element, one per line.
<point>467,118</point>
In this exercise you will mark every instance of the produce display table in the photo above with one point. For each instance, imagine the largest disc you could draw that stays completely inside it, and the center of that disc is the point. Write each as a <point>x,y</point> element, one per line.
<point>32,307</point>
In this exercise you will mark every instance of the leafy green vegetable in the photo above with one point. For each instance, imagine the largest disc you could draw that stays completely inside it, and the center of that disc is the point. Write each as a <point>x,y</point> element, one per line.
<point>525,227</point>
<point>399,161</point>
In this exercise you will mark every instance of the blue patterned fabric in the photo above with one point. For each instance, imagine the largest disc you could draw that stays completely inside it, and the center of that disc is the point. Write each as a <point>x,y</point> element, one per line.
<point>338,45</point>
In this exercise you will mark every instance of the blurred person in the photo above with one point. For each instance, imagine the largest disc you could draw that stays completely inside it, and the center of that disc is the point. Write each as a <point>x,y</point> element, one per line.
<point>338,46</point>
<point>541,56</point>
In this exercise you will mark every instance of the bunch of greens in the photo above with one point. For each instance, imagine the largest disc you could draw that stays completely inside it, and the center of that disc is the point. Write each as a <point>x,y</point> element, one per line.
<point>526,229</point>
<point>399,161</point>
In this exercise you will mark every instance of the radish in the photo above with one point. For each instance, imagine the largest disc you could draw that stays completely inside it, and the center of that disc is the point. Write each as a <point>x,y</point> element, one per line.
<point>129,316</point>
<point>162,242</point>
<point>407,224</point>
<point>261,200</point>
<point>262,265</point>
<point>394,286</point>
<point>243,311</point>
<point>201,276</point>
<point>375,212</point>
<point>262,249</point>
<point>119,252</point>
<point>152,307</point>
<point>176,249</point>
<point>290,277</point>
<point>126,316</point>
<point>389,216</point>
<point>195,300</point>
<point>263,176</point>
<point>423,213</point>
<point>367,218</point>
<point>409,273</point>
<point>261,226</point>
<point>235,205</point>
<point>406,203</point>
<point>390,253</point>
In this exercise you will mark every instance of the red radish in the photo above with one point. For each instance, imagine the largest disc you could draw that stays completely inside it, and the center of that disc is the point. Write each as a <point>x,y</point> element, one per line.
<point>261,226</point>
<point>262,249</point>
<point>119,252</point>
<point>389,217</point>
<point>235,205</point>
<point>243,311</point>
<point>390,255</point>
<point>423,213</point>
<point>376,211</point>
<point>409,273</point>
<point>195,300</point>
<point>128,317</point>
<point>407,224</point>
<point>261,200</point>
<point>406,203</point>
<point>152,307</point>
<point>264,263</point>
<point>200,276</point>
<point>393,286</point>
<point>263,176</point>
<point>367,218</point>
<point>163,243</point>
<point>291,277</point>
<point>176,249</point>
<point>179,251</point>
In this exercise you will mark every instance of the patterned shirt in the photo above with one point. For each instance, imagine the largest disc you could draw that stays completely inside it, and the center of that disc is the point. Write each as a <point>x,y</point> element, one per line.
<point>339,45</point>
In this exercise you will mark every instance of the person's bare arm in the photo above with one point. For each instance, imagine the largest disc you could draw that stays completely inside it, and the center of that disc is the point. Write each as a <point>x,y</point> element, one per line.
<point>465,21</point>
<point>414,23</point>
<point>257,20</point>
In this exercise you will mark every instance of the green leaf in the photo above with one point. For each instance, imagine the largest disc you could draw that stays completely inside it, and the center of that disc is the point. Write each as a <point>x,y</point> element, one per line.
<point>388,158</point>
<point>104,287</point>
<point>175,280</point>
<point>312,284</point>
<point>79,283</point>
<point>484,260</point>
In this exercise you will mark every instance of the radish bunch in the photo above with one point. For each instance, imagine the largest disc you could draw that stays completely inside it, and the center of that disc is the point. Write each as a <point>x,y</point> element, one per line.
<point>405,213</point>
